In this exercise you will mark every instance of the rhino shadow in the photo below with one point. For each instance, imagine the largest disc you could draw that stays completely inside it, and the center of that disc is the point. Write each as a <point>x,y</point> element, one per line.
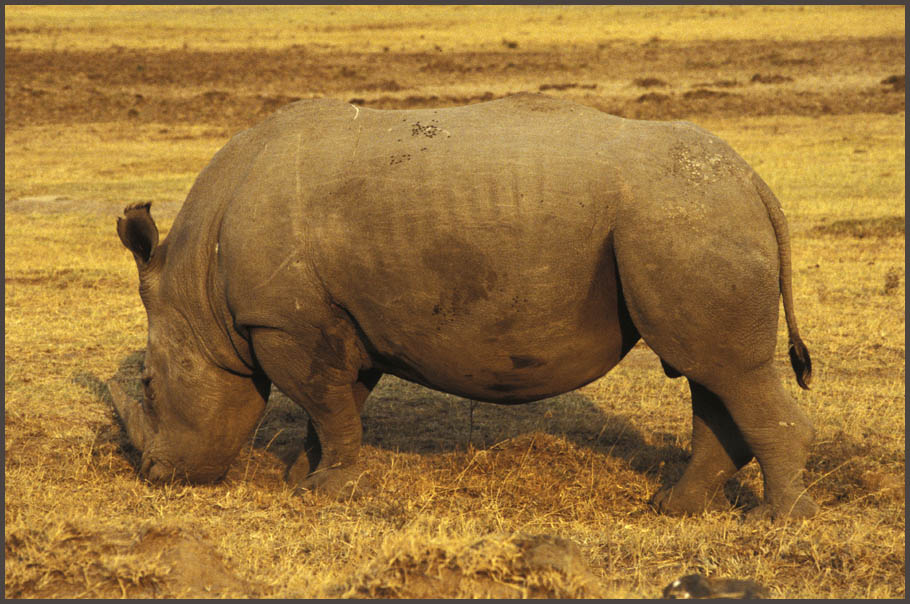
<point>401,416</point>
<point>406,417</point>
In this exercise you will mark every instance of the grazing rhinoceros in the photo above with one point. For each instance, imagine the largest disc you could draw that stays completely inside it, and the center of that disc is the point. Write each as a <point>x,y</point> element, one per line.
<point>505,251</point>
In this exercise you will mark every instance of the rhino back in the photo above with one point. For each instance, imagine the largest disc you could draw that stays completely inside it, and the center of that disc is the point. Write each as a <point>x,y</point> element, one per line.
<point>472,246</point>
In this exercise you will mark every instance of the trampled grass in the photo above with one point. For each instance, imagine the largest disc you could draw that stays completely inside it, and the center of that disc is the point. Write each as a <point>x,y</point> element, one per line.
<point>449,487</point>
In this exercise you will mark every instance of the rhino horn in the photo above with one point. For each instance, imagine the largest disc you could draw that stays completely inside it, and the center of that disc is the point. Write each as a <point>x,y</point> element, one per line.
<point>131,414</point>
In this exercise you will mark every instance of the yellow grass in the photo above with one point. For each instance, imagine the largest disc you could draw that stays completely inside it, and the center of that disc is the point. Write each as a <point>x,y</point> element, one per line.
<point>418,28</point>
<point>828,167</point>
<point>108,161</point>
<point>807,161</point>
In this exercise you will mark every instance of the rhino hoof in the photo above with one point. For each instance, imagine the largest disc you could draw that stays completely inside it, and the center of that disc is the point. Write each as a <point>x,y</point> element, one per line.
<point>332,483</point>
<point>671,503</point>
<point>804,507</point>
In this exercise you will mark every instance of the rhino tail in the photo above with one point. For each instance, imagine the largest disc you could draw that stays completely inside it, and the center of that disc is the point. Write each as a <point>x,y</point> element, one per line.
<point>801,361</point>
<point>799,353</point>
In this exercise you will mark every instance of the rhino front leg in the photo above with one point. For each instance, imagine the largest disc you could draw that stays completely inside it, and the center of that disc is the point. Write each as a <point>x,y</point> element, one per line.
<point>319,369</point>
<point>311,454</point>
<point>718,451</point>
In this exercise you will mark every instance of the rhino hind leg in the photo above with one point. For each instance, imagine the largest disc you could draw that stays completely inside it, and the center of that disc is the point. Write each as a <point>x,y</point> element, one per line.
<point>779,434</point>
<point>707,304</point>
<point>762,420</point>
<point>320,371</point>
<point>737,413</point>
<point>718,452</point>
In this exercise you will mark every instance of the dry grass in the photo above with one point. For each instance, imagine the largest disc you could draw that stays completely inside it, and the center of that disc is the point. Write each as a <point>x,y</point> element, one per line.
<point>452,494</point>
<point>108,161</point>
<point>419,28</point>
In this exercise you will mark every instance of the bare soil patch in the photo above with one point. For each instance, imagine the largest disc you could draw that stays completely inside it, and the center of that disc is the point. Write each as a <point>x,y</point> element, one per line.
<point>237,88</point>
<point>887,226</point>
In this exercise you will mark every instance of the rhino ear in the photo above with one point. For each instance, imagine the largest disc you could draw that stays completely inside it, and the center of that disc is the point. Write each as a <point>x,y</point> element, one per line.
<point>138,232</point>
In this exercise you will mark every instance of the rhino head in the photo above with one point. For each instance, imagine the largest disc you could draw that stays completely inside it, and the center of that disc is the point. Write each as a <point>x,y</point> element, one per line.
<point>198,407</point>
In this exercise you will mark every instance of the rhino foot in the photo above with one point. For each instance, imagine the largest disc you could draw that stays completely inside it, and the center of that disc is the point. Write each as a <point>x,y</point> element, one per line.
<point>338,483</point>
<point>803,507</point>
<point>672,502</point>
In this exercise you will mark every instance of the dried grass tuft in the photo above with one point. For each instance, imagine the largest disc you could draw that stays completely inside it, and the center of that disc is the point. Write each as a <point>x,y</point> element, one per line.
<point>496,566</point>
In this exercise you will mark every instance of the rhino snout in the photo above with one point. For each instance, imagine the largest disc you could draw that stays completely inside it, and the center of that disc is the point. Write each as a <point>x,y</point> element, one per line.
<point>156,471</point>
<point>191,465</point>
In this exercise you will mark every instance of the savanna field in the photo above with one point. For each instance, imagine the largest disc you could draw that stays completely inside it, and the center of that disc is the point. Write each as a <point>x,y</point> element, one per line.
<point>107,106</point>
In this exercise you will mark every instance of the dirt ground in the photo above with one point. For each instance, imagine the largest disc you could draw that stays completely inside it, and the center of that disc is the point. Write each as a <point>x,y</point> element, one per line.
<point>652,80</point>
<point>460,499</point>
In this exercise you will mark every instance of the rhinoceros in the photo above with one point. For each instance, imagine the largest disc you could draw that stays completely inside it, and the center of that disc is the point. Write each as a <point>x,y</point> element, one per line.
<point>504,251</point>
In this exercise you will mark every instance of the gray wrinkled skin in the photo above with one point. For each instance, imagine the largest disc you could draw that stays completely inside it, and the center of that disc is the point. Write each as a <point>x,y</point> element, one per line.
<point>505,251</point>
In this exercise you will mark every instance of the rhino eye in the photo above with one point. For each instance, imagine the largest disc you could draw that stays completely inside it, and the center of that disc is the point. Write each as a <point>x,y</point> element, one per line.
<point>147,387</point>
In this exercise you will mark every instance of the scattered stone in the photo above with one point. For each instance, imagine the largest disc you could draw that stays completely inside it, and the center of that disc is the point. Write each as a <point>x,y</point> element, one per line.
<point>896,82</point>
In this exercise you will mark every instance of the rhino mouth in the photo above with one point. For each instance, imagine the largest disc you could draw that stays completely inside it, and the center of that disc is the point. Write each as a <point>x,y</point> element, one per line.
<point>133,419</point>
<point>157,472</point>
<point>151,466</point>
<point>154,471</point>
